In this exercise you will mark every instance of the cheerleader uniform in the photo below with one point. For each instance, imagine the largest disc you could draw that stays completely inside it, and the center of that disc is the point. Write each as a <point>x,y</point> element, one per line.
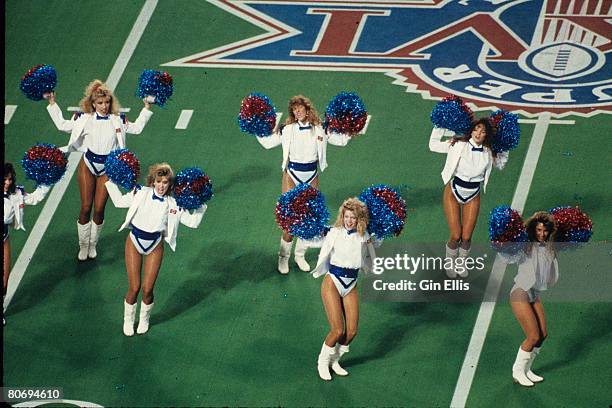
<point>536,272</point>
<point>15,203</point>
<point>149,223</point>
<point>342,255</point>
<point>96,136</point>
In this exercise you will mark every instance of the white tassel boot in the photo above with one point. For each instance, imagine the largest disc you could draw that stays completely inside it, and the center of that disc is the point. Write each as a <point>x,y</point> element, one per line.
<point>518,369</point>
<point>463,253</point>
<point>93,239</point>
<point>323,362</point>
<point>129,314</point>
<point>84,233</point>
<point>143,320</point>
<point>283,256</point>
<point>452,254</point>
<point>530,374</point>
<point>300,251</point>
<point>340,350</point>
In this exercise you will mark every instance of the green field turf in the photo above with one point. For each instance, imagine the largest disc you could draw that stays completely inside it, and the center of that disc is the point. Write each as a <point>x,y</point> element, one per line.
<point>227,329</point>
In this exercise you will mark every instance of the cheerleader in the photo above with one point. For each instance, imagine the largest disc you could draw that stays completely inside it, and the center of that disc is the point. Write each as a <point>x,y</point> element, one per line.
<point>304,144</point>
<point>152,215</point>
<point>97,130</point>
<point>468,166</point>
<point>537,271</point>
<point>345,250</point>
<point>15,198</point>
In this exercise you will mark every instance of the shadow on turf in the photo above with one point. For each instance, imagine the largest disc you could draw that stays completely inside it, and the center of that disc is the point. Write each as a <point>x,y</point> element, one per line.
<point>221,268</point>
<point>247,174</point>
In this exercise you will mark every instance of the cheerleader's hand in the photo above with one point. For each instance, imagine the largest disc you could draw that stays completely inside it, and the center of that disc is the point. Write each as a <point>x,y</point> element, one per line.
<point>50,96</point>
<point>146,102</point>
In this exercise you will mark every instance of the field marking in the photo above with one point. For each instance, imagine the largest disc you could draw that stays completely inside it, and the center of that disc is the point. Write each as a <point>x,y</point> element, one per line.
<point>9,110</point>
<point>56,194</point>
<point>485,313</point>
<point>365,127</point>
<point>184,118</point>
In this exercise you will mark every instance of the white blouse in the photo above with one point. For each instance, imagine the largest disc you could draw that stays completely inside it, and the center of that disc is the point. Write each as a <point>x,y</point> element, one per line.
<point>152,214</point>
<point>544,266</point>
<point>473,164</point>
<point>346,252</point>
<point>9,211</point>
<point>303,144</point>
<point>99,135</point>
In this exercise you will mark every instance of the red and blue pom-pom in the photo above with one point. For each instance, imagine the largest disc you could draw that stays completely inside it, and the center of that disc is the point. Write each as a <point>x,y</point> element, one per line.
<point>122,168</point>
<point>345,114</point>
<point>37,81</point>
<point>302,212</point>
<point>158,84</point>
<point>453,114</point>
<point>573,225</point>
<point>44,163</point>
<point>386,210</point>
<point>507,231</point>
<point>257,115</point>
<point>507,131</point>
<point>192,188</point>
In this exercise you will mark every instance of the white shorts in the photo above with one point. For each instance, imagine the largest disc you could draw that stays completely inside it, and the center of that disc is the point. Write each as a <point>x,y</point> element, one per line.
<point>344,279</point>
<point>302,173</point>
<point>145,242</point>
<point>464,191</point>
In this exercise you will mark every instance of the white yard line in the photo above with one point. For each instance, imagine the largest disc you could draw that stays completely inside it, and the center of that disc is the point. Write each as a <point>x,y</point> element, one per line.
<point>58,191</point>
<point>9,110</point>
<point>183,120</point>
<point>485,313</point>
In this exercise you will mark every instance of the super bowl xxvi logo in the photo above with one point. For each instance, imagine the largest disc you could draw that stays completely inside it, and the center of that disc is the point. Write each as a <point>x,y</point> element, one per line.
<point>524,55</point>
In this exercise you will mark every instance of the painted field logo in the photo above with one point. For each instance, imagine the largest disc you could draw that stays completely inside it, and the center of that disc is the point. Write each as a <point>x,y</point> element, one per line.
<point>532,56</point>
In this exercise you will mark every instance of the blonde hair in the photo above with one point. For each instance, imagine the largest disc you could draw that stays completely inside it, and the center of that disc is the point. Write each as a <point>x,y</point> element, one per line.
<point>311,113</point>
<point>359,209</point>
<point>98,89</point>
<point>159,170</point>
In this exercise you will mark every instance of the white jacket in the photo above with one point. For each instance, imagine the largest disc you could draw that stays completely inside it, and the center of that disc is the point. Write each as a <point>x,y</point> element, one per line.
<point>76,127</point>
<point>367,253</point>
<point>20,198</point>
<point>527,267</point>
<point>454,153</point>
<point>285,137</point>
<point>176,215</point>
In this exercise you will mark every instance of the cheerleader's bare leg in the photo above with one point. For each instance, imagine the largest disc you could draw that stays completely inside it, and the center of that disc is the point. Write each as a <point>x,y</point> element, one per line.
<point>151,270</point>
<point>452,211</point>
<point>332,302</point>
<point>469,217</point>
<point>286,240</point>
<point>87,187</point>
<point>133,264</point>
<point>526,316</point>
<point>350,304</point>
<point>100,198</point>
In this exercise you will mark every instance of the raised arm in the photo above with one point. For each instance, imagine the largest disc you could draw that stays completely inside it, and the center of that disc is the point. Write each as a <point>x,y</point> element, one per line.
<point>55,112</point>
<point>435,140</point>
<point>37,195</point>
<point>269,142</point>
<point>119,200</point>
<point>338,139</point>
<point>135,128</point>
<point>192,219</point>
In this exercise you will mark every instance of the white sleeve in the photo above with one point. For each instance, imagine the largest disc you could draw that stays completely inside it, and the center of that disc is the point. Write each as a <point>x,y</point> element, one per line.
<point>269,142</point>
<point>192,220</point>
<point>119,200</point>
<point>37,195</point>
<point>135,128</point>
<point>338,139</point>
<point>61,124</point>
<point>435,140</point>
<point>500,160</point>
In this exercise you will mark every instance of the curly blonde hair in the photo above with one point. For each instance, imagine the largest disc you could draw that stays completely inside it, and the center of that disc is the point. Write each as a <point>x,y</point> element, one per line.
<point>311,113</point>
<point>98,89</point>
<point>358,208</point>
<point>159,170</point>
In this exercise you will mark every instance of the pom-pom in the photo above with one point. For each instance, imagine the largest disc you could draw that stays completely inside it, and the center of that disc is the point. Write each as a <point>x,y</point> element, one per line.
<point>122,168</point>
<point>345,114</point>
<point>386,210</point>
<point>37,81</point>
<point>453,114</point>
<point>192,188</point>
<point>302,212</point>
<point>507,131</point>
<point>507,231</point>
<point>257,115</point>
<point>158,84</point>
<point>44,163</point>
<point>573,225</point>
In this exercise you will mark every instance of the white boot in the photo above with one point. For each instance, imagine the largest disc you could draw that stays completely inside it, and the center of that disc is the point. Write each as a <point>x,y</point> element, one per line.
<point>530,374</point>
<point>300,251</point>
<point>452,254</point>
<point>84,233</point>
<point>340,350</point>
<point>463,253</point>
<point>143,320</point>
<point>93,239</point>
<point>518,369</point>
<point>283,256</point>
<point>323,362</point>
<point>129,314</point>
